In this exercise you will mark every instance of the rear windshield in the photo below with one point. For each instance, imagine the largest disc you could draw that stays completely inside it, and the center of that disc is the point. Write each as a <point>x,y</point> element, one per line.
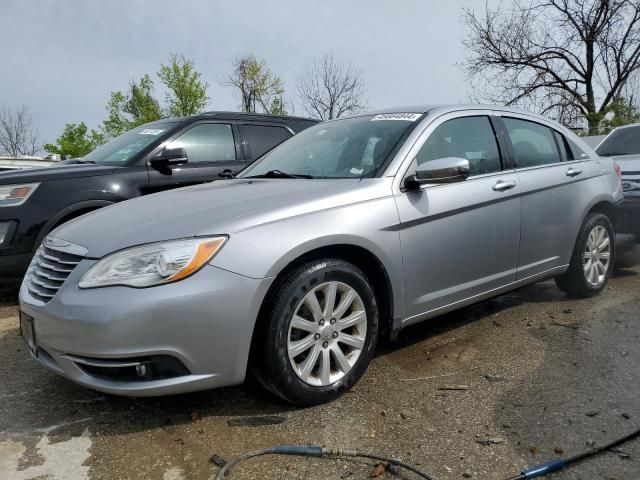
<point>624,141</point>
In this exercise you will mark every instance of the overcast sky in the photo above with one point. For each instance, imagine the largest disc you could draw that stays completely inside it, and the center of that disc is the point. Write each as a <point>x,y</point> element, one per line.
<point>63,58</point>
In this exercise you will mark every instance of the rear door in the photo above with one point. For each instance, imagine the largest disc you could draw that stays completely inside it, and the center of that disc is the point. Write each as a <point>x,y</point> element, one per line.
<point>259,138</point>
<point>555,193</point>
<point>211,146</point>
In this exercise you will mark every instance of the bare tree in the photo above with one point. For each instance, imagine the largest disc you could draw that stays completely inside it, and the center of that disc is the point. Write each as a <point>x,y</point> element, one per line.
<point>258,87</point>
<point>330,89</point>
<point>18,135</point>
<point>567,58</point>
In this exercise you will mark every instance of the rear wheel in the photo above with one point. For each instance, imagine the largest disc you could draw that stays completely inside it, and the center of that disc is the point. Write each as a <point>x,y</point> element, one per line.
<point>592,260</point>
<point>321,332</point>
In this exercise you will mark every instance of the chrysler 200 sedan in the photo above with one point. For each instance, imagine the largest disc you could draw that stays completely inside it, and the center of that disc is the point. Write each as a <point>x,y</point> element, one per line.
<point>352,229</point>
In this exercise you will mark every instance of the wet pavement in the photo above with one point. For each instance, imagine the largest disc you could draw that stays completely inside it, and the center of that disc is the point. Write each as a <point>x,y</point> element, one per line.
<point>479,393</point>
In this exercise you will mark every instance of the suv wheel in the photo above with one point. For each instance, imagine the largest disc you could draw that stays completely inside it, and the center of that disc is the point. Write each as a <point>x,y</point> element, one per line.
<point>592,260</point>
<point>321,332</point>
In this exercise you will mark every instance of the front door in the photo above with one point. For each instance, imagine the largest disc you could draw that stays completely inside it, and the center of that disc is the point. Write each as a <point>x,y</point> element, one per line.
<point>211,148</point>
<point>459,240</point>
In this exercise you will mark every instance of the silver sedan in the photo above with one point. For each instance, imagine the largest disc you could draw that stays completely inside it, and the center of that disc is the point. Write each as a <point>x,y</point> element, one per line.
<point>353,228</point>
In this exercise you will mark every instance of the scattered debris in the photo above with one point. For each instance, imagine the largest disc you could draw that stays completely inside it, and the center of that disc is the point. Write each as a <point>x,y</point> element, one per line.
<point>621,453</point>
<point>625,415</point>
<point>592,413</point>
<point>217,460</point>
<point>572,326</point>
<point>379,470</point>
<point>624,353</point>
<point>494,378</point>
<point>496,323</point>
<point>405,415</point>
<point>346,474</point>
<point>567,311</point>
<point>558,450</point>
<point>179,441</point>
<point>454,387</point>
<point>195,416</point>
<point>490,441</point>
<point>256,421</point>
<point>533,449</point>
<point>467,475</point>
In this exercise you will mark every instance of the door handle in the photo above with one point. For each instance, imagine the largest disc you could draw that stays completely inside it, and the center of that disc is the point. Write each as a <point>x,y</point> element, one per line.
<point>502,186</point>
<point>573,172</point>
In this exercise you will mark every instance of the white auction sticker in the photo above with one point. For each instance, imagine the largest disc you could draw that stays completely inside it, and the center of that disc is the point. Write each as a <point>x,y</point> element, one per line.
<point>151,131</point>
<point>408,117</point>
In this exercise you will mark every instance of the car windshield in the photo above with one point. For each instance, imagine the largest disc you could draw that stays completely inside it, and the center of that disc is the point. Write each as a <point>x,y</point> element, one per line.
<point>350,148</point>
<point>121,149</point>
<point>624,141</point>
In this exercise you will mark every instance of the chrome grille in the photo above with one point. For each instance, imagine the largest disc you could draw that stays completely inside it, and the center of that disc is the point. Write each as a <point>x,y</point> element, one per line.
<point>48,271</point>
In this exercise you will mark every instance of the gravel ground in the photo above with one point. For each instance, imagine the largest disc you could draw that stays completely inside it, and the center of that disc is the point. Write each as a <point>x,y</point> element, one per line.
<point>479,393</point>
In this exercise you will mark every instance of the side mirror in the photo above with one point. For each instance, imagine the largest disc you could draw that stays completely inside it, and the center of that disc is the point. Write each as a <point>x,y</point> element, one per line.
<point>170,156</point>
<point>442,170</point>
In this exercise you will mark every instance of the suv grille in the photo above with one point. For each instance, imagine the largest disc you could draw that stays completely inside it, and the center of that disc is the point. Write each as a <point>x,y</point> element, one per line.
<point>48,271</point>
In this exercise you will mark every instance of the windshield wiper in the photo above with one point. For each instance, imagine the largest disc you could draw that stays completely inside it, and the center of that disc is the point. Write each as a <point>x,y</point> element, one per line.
<point>77,161</point>
<point>279,174</point>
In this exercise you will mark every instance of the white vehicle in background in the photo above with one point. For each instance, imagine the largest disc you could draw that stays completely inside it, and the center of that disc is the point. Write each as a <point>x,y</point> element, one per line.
<point>623,144</point>
<point>13,163</point>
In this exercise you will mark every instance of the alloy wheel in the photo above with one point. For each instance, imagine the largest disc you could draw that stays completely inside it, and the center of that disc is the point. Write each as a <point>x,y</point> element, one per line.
<point>327,333</point>
<point>597,255</point>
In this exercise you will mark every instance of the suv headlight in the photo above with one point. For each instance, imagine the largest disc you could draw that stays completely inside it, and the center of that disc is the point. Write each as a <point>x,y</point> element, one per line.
<point>14,195</point>
<point>153,264</point>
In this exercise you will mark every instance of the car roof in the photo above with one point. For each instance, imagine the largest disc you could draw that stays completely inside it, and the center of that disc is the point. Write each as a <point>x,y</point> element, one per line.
<point>238,116</point>
<point>446,108</point>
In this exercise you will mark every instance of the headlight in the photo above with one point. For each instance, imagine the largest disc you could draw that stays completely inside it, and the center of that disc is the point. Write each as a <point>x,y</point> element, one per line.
<point>153,264</point>
<point>14,195</point>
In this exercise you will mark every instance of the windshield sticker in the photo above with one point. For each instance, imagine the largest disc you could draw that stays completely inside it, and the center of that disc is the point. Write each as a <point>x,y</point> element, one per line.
<point>408,117</point>
<point>356,171</point>
<point>151,131</point>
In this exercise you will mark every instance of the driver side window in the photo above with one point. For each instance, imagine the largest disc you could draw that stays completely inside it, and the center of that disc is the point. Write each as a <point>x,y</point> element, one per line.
<point>471,138</point>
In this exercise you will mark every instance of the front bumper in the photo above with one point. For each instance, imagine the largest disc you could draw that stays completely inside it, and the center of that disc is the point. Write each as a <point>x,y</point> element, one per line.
<point>205,322</point>
<point>13,267</point>
<point>628,217</point>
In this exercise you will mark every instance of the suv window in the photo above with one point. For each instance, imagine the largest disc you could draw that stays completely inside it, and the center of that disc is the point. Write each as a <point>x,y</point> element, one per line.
<point>207,142</point>
<point>472,138</point>
<point>533,143</point>
<point>262,138</point>
<point>622,141</point>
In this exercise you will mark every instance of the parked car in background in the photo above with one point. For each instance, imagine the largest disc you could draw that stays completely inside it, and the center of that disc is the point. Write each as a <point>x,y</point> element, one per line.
<point>12,163</point>
<point>352,228</point>
<point>154,157</point>
<point>623,145</point>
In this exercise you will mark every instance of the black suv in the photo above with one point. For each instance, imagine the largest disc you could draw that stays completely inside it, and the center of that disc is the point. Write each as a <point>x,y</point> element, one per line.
<point>157,156</point>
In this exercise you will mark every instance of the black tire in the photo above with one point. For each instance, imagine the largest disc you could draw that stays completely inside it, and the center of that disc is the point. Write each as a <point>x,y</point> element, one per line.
<point>574,282</point>
<point>270,360</point>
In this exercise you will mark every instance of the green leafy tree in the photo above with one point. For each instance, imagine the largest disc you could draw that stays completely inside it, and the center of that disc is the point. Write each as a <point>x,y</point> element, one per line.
<point>187,92</point>
<point>260,90</point>
<point>76,141</point>
<point>128,110</point>
<point>620,112</point>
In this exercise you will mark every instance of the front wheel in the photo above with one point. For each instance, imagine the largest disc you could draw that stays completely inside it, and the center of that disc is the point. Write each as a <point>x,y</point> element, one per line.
<point>592,260</point>
<point>321,332</point>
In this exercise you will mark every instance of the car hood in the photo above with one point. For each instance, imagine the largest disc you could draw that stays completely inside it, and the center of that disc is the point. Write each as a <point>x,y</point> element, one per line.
<point>220,207</point>
<point>55,172</point>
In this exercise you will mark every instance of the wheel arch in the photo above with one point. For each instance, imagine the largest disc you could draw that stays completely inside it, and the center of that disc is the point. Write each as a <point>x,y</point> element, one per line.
<point>373,268</point>
<point>69,213</point>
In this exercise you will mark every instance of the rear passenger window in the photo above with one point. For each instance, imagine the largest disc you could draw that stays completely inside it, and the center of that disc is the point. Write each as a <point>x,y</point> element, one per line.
<point>565,153</point>
<point>533,143</point>
<point>472,138</point>
<point>262,138</point>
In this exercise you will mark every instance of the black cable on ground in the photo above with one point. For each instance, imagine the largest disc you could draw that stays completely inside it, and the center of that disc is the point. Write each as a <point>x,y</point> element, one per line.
<point>562,463</point>
<point>314,451</point>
